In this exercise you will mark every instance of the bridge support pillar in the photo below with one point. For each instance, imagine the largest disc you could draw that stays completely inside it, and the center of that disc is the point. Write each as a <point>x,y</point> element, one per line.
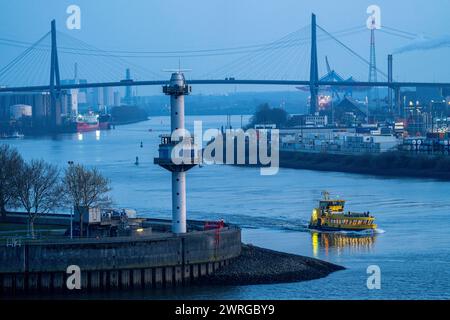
<point>398,101</point>
<point>55,104</point>
<point>390,79</point>
<point>314,70</point>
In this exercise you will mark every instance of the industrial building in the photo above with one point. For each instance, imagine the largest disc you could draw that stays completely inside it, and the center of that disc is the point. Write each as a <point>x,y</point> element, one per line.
<point>31,110</point>
<point>339,141</point>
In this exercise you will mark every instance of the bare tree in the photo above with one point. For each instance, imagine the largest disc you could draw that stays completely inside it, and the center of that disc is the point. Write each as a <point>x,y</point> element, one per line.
<point>85,188</point>
<point>38,189</point>
<point>10,164</point>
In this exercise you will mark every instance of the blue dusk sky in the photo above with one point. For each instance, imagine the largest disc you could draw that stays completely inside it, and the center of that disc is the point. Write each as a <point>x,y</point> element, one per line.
<point>175,25</point>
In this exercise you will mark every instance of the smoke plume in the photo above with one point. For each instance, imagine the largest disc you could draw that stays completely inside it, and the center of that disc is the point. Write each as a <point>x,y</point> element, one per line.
<point>425,44</point>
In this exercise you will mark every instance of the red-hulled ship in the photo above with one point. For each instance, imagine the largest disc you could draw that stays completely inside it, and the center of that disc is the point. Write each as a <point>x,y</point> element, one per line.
<point>88,122</point>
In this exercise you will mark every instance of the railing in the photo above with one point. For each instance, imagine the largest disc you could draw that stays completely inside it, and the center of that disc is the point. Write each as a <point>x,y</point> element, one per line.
<point>161,228</point>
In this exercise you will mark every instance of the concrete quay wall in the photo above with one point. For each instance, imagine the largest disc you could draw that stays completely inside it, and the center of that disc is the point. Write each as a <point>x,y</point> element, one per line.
<point>163,259</point>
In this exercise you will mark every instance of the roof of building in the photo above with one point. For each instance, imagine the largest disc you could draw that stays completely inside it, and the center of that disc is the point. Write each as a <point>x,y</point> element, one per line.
<point>348,104</point>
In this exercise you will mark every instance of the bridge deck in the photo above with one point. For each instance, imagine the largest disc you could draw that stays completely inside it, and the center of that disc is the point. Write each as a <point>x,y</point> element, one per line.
<point>127,83</point>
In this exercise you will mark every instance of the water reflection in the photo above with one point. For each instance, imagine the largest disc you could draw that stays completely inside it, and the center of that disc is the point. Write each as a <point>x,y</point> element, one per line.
<point>338,242</point>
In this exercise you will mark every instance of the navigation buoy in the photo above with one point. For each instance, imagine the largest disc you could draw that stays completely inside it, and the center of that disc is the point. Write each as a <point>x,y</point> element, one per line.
<point>137,161</point>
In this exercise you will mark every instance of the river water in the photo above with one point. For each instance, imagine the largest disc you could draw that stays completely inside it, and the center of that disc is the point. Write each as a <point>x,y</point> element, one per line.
<point>412,248</point>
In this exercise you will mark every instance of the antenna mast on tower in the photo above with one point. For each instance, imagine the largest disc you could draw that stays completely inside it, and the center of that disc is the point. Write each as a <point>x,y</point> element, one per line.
<point>373,93</point>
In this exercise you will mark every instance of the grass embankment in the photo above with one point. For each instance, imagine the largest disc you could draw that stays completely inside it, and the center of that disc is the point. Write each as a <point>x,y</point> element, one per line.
<point>385,164</point>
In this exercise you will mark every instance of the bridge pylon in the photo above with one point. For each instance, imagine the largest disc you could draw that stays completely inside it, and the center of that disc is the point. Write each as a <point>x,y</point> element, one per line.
<point>55,103</point>
<point>314,70</point>
<point>373,93</point>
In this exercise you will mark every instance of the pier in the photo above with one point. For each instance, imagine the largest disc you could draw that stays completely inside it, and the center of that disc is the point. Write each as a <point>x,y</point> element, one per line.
<point>161,259</point>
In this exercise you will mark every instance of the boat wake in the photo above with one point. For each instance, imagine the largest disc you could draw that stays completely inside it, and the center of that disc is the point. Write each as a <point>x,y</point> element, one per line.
<point>278,223</point>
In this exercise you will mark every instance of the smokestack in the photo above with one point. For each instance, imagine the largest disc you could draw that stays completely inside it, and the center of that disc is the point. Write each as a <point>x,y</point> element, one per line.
<point>390,78</point>
<point>75,72</point>
<point>128,89</point>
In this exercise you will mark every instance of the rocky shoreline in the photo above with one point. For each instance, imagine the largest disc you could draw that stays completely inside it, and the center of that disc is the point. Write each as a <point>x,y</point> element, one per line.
<point>257,265</point>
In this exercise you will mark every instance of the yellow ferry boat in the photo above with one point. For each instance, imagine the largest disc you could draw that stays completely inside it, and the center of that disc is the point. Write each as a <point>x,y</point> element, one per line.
<point>330,216</point>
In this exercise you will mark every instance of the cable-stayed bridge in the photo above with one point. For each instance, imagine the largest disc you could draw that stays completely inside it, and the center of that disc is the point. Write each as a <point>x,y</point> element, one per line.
<point>292,60</point>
